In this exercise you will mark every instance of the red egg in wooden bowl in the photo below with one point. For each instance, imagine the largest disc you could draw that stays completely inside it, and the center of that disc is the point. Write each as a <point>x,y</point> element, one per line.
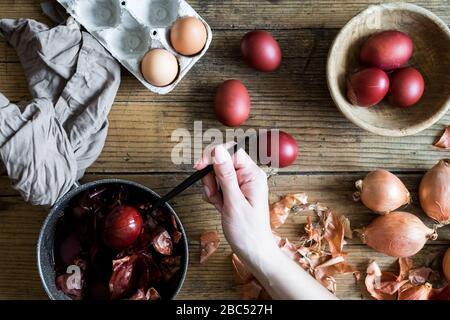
<point>431,47</point>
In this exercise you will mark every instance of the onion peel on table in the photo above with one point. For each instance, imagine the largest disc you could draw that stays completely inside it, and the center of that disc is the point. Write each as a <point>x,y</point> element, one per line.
<point>251,290</point>
<point>382,285</point>
<point>240,271</point>
<point>320,251</point>
<point>209,242</point>
<point>444,141</point>
<point>152,294</point>
<point>410,284</point>
<point>280,210</point>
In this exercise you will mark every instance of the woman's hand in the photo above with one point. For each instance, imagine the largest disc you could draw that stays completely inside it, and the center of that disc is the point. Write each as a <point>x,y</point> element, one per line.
<point>238,189</point>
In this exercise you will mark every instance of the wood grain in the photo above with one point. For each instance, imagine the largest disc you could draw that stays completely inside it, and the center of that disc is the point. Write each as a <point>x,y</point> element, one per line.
<point>20,224</point>
<point>245,14</point>
<point>330,144</point>
<point>295,99</point>
<point>300,78</point>
<point>292,99</point>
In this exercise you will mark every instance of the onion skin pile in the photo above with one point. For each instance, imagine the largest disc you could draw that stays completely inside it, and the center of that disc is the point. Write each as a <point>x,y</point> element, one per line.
<point>398,234</point>
<point>382,192</point>
<point>434,192</point>
<point>446,264</point>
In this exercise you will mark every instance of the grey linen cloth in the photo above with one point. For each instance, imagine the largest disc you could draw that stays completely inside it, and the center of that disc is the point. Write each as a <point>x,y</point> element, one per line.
<point>47,144</point>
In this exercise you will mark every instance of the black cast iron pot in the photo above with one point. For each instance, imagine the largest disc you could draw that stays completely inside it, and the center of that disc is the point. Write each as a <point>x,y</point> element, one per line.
<point>45,245</point>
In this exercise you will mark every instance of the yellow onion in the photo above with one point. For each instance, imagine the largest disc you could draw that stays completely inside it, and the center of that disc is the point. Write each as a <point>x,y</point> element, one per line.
<point>446,264</point>
<point>382,192</point>
<point>421,292</point>
<point>398,234</point>
<point>434,192</point>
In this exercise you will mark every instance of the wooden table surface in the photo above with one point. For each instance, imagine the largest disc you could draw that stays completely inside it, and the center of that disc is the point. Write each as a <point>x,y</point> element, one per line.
<point>333,152</point>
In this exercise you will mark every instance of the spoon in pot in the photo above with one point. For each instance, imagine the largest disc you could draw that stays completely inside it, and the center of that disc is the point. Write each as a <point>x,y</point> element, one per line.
<point>198,175</point>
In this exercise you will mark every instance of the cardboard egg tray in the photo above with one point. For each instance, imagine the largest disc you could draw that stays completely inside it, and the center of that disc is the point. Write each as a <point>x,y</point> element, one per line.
<point>128,29</point>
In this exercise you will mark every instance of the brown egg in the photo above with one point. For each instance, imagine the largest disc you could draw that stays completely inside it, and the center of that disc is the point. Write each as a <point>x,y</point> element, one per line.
<point>188,36</point>
<point>159,67</point>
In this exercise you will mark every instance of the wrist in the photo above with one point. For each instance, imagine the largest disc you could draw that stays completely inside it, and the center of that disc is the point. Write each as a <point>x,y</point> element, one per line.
<point>263,254</point>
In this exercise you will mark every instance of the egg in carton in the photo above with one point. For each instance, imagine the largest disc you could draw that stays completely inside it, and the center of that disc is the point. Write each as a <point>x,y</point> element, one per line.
<point>129,29</point>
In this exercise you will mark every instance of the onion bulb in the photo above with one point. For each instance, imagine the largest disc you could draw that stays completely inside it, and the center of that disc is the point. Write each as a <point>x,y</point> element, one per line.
<point>398,234</point>
<point>446,264</point>
<point>382,192</point>
<point>434,192</point>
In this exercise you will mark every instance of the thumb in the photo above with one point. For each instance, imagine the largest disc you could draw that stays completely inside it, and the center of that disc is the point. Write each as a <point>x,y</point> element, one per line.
<point>226,175</point>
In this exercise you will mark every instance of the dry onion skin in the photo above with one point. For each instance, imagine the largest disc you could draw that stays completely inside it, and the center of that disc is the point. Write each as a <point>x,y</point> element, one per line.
<point>382,192</point>
<point>398,234</point>
<point>280,210</point>
<point>434,192</point>
<point>444,140</point>
<point>209,242</point>
<point>383,285</point>
<point>320,250</point>
<point>410,292</point>
<point>446,264</point>
<point>410,284</point>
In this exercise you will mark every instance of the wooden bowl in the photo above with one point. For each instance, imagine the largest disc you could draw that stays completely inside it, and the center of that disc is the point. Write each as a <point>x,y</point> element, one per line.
<point>431,37</point>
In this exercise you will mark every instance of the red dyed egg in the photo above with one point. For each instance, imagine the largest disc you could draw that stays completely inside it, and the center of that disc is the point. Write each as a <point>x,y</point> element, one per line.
<point>387,50</point>
<point>367,87</point>
<point>122,227</point>
<point>232,103</point>
<point>261,51</point>
<point>407,86</point>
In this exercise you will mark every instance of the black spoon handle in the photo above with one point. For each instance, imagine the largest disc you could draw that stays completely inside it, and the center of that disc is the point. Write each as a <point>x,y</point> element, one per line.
<point>198,175</point>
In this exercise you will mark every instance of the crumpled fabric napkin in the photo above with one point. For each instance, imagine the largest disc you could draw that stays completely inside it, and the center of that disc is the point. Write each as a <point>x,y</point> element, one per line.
<point>47,144</point>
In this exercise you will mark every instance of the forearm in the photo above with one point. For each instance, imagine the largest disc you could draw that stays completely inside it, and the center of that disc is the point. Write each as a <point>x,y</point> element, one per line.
<point>283,278</point>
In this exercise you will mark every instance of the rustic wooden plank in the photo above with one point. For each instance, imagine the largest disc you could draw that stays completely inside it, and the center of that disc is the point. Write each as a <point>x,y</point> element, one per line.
<point>301,77</point>
<point>333,190</point>
<point>292,99</point>
<point>139,138</point>
<point>296,43</point>
<point>332,144</point>
<point>214,279</point>
<point>280,14</point>
<point>20,223</point>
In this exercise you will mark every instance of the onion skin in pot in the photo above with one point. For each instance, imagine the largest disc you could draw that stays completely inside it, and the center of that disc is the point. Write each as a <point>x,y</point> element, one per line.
<point>398,234</point>
<point>382,192</point>
<point>446,264</point>
<point>434,192</point>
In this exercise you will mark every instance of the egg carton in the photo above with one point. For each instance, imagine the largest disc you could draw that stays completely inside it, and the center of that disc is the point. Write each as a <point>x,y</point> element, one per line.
<point>128,29</point>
